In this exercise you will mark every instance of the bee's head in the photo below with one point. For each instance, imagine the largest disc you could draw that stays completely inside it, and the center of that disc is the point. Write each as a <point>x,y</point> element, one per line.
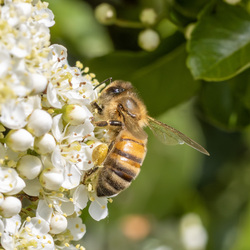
<point>115,89</point>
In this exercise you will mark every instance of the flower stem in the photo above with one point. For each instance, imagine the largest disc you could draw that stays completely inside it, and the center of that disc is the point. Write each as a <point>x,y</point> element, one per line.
<point>128,24</point>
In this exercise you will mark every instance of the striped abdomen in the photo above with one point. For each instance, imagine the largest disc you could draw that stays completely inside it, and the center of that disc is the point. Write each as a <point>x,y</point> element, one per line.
<point>122,164</point>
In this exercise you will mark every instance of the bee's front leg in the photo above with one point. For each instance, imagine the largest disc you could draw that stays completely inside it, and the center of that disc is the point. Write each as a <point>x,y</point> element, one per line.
<point>97,107</point>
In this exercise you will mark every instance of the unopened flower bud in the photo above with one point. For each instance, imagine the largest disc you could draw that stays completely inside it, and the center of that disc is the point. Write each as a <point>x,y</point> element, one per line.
<point>29,167</point>
<point>39,83</point>
<point>19,140</point>
<point>105,14</point>
<point>58,223</point>
<point>40,122</point>
<point>10,206</point>
<point>44,144</point>
<point>148,16</point>
<point>51,178</point>
<point>74,114</point>
<point>148,40</point>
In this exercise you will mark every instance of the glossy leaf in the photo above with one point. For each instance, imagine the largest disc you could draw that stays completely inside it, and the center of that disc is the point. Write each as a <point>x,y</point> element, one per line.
<point>220,43</point>
<point>226,104</point>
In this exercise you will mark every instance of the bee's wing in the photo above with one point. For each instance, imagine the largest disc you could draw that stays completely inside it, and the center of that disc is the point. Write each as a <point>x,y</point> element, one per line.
<point>135,129</point>
<point>171,136</point>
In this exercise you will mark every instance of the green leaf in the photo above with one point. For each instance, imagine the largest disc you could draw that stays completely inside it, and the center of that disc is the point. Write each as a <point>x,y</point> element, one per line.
<point>165,83</point>
<point>162,78</point>
<point>226,104</point>
<point>219,47</point>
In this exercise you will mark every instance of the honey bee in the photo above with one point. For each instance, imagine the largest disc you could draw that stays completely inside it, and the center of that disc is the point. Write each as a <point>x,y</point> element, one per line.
<point>120,110</point>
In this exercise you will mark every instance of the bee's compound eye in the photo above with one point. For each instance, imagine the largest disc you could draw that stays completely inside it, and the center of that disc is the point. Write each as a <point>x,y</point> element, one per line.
<point>115,90</point>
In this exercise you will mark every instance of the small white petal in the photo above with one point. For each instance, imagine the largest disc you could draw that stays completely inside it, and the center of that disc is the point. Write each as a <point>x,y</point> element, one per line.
<point>49,21</point>
<point>52,96</point>
<point>76,227</point>
<point>58,223</point>
<point>57,159</point>
<point>98,208</point>
<point>43,210</point>
<point>20,185</point>
<point>72,176</point>
<point>12,224</point>
<point>68,208</point>
<point>8,179</point>
<point>33,187</point>
<point>57,127</point>
<point>76,133</point>
<point>80,197</point>
<point>38,225</point>
<point>13,115</point>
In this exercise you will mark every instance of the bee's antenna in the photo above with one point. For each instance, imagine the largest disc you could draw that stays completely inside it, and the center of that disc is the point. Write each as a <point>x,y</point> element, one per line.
<point>105,81</point>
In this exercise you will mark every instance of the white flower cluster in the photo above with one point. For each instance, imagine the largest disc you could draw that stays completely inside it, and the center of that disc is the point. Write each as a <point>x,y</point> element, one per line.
<point>46,134</point>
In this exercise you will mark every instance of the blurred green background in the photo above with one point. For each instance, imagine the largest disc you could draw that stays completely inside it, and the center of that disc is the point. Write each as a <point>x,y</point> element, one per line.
<point>195,78</point>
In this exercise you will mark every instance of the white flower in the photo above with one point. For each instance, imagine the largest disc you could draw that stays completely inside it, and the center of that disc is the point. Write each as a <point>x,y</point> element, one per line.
<point>46,113</point>
<point>10,228</point>
<point>18,187</point>
<point>45,16</point>
<point>32,234</point>
<point>9,180</point>
<point>13,115</point>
